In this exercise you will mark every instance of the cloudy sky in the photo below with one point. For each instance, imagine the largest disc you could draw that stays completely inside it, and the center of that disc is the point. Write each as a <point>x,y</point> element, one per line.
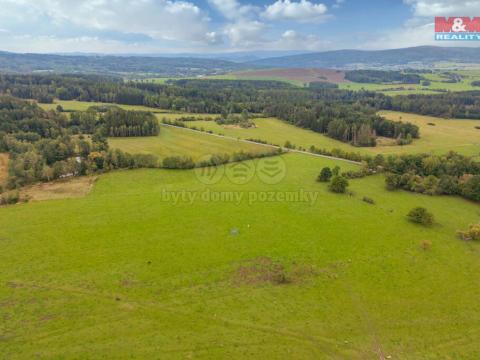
<point>172,26</point>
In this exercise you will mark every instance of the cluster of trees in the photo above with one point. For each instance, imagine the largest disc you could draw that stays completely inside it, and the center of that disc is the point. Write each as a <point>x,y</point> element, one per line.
<point>242,120</point>
<point>123,123</point>
<point>450,174</point>
<point>355,123</point>
<point>337,183</point>
<point>379,77</point>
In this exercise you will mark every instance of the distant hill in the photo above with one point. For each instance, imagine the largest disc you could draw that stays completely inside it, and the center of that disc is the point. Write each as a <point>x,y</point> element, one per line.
<point>425,55</point>
<point>120,65</point>
<point>191,65</point>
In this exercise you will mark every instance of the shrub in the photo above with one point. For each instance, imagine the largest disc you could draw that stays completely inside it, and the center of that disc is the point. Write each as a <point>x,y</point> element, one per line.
<point>10,197</point>
<point>420,215</point>
<point>325,175</point>
<point>178,162</point>
<point>368,200</point>
<point>473,233</point>
<point>338,185</point>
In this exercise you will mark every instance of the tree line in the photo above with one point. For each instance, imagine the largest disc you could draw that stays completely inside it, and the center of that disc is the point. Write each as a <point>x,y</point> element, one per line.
<point>380,77</point>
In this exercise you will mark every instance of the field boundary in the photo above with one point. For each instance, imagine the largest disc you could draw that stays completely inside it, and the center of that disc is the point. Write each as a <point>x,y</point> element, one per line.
<point>266,145</point>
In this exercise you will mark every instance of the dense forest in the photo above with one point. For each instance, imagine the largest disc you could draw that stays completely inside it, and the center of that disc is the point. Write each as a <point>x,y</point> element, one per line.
<point>381,77</point>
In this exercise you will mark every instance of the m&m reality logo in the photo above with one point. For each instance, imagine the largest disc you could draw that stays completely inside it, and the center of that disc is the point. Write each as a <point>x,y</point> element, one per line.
<point>462,28</point>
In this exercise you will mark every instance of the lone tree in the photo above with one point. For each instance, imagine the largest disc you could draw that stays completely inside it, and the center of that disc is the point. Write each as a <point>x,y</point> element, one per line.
<point>420,215</point>
<point>325,175</point>
<point>338,185</point>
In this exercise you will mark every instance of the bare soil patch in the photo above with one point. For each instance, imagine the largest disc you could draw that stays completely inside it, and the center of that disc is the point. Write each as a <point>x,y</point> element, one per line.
<point>266,271</point>
<point>253,126</point>
<point>60,189</point>
<point>301,74</point>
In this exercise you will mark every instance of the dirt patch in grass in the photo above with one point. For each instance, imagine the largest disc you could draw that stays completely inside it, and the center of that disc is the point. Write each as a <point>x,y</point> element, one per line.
<point>60,189</point>
<point>266,271</point>
<point>301,75</point>
<point>3,167</point>
<point>253,126</point>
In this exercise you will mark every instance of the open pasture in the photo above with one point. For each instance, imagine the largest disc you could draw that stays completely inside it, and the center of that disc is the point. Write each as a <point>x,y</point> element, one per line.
<point>134,273</point>
<point>182,142</point>
<point>458,135</point>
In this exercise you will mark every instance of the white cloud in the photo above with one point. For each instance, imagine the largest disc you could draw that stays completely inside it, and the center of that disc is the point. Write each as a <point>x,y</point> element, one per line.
<point>292,40</point>
<point>233,10</point>
<point>431,8</point>
<point>245,33</point>
<point>158,19</point>
<point>302,11</point>
<point>419,29</point>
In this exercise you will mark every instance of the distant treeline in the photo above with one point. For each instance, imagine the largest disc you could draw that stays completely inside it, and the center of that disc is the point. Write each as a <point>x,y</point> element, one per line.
<point>342,114</point>
<point>380,77</point>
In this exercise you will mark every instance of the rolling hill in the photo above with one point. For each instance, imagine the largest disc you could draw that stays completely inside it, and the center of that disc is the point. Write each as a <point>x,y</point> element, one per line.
<point>394,57</point>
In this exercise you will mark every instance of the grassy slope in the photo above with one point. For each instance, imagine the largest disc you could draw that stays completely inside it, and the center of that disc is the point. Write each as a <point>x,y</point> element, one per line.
<point>458,135</point>
<point>76,272</point>
<point>174,141</point>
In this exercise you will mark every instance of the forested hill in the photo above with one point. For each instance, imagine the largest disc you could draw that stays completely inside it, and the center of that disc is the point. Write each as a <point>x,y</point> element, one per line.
<point>120,65</point>
<point>151,66</point>
<point>349,58</point>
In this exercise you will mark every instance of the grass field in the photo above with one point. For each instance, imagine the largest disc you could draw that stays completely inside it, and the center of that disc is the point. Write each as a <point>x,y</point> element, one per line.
<point>457,135</point>
<point>175,141</point>
<point>134,275</point>
<point>435,79</point>
<point>73,105</point>
<point>3,167</point>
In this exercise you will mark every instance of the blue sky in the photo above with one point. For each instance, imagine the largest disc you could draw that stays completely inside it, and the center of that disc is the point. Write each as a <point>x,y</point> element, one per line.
<point>172,26</point>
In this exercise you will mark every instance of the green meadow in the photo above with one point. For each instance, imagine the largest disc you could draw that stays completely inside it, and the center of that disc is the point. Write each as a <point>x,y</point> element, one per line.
<point>177,141</point>
<point>129,272</point>
<point>458,135</point>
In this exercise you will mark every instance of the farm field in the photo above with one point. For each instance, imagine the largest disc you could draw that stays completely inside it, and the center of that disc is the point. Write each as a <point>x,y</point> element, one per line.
<point>3,167</point>
<point>176,141</point>
<point>135,275</point>
<point>458,135</point>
